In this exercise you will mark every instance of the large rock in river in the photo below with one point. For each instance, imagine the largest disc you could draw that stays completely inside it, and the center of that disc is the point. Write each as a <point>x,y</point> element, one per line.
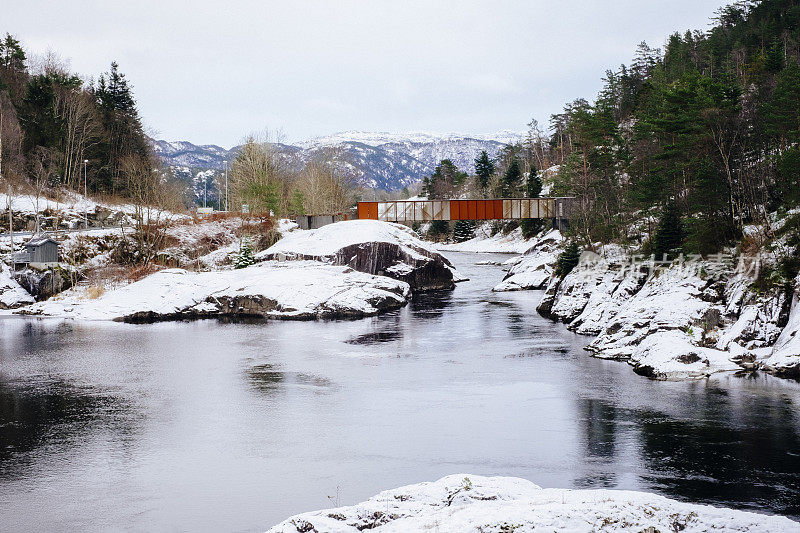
<point>296,290</point>
<point>372,247</point>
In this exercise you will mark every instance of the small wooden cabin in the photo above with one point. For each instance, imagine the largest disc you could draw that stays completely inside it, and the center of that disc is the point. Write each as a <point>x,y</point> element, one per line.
<point>39,251</point>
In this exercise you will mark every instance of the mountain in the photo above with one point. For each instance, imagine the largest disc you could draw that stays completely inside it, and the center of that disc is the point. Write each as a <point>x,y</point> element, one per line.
<point>388,161</point>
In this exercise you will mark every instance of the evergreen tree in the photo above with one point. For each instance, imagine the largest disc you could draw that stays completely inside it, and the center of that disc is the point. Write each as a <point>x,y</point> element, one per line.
<point>568,259</point>
<point>439,229</point>
<point>484,168</point>
<point>512,179</point>
<point>464,230</point>
<point>245,256</point>
<point>443,182</point>
<point>669,234</point>
<point>534,184</point>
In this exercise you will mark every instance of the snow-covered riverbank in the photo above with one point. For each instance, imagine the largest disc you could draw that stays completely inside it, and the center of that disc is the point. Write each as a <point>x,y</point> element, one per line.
<point>349,269</point>
<point>466,503</point>
<point>298,290</point>
<point>685,320</point>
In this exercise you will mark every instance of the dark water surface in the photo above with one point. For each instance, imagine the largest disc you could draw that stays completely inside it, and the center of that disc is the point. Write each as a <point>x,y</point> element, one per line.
<point>221,427</point>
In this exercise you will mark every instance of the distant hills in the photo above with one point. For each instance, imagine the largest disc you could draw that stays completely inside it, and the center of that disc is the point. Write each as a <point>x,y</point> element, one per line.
<point>387,161</point>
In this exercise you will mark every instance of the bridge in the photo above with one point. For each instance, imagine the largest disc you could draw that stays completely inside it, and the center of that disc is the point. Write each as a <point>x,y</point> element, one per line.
<point>557,209</point>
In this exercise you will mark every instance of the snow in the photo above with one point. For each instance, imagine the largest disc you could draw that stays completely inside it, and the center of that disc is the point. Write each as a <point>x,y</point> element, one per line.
<point>12,295</point>
<point>326,241</point>
<point>535,267</point>
<point>417,137</point>
<point>671,300</point>
<point>671,355</point>
<point>303,289</point>
<point>466,503</point>
<point>785,356</point>
<point>513,243</point>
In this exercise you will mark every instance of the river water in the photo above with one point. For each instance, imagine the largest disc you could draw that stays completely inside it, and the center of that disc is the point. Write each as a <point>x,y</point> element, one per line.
<point>212,426</point>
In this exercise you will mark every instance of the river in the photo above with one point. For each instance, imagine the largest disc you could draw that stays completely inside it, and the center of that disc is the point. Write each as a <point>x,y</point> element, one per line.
<point>213,426</point>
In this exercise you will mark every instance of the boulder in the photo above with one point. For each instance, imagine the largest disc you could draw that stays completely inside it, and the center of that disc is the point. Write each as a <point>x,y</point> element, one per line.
<point>42,283</point>
<point>372,247</point>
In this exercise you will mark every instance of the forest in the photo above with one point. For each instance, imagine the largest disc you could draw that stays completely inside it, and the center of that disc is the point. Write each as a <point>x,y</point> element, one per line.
<point>694,143</point>
<point>59,130</point>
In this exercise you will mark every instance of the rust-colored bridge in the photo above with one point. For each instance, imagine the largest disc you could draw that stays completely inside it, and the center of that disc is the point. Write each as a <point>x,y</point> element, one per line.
<point>492,209</point>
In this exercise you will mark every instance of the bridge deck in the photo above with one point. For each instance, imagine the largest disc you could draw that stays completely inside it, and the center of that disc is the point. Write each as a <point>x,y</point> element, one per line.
<point>491,209</point>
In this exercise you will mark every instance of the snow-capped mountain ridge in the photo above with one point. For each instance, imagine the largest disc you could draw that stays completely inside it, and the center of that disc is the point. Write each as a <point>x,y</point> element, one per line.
<point>376,159</point>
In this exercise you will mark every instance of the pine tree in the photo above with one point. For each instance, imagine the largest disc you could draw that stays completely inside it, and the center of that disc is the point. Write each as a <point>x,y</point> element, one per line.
<point>245,256</point>
<point>512,179</point>
<point>568,259</point>
<point>464,230</point>
<point>439,229</point>
<point>669,235</point>
<point>484,168</point>
<point>534,185</point>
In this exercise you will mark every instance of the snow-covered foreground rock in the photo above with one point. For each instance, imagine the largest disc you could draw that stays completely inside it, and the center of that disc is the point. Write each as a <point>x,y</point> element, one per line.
<point>297,290</point>
<point>535,267</point>
<point>372,247</point>
<point>12,295</point>
<point>465,503</point>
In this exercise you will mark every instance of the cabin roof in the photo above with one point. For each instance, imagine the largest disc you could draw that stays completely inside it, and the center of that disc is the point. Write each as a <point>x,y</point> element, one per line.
<point>39,241</point>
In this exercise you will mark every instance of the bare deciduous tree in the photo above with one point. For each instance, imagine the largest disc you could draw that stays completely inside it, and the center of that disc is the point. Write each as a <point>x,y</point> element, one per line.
<point>155,202</point>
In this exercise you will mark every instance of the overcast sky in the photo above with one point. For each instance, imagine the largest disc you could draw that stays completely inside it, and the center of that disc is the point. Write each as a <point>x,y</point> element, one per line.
<point>211,72</point>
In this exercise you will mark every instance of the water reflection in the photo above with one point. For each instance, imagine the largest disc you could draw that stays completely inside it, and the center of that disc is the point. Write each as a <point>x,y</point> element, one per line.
<point>42,414</point>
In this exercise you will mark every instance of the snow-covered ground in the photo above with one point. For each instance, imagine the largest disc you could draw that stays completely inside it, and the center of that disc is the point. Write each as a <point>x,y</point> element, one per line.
<point>484,242</point>
<point>304,289</point>
<point>466,503</point>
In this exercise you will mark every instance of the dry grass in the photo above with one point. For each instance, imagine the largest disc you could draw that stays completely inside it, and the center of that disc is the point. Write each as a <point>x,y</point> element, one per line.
<point>95,291</point>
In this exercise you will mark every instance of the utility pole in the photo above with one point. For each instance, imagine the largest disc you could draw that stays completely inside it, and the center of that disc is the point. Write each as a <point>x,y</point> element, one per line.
<point>205,193</point>
<point>85,197</point>
<point>226,184</point>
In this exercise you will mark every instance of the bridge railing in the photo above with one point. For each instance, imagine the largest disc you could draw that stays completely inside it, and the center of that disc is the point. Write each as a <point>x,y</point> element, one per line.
<point>487,209</point>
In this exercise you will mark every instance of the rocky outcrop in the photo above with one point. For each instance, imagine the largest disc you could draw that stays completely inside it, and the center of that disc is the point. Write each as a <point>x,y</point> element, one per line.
<point>372,247</point>
<point>533,269</point>
<point>42,283</point>
<point>475,504</point>
<point>296,290</point>
<point>12,294</point>
<point>784,357</point>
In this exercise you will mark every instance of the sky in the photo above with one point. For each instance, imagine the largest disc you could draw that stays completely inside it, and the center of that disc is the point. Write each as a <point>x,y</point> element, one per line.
<point>214,72</point>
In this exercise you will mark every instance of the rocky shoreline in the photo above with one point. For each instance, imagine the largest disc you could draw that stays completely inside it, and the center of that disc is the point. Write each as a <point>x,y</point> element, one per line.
<point>684,319</point>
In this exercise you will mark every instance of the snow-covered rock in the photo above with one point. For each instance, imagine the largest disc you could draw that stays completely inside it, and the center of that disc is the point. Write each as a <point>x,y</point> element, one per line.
<point>372,247</point>
<point>296,290</point>
<point>466,503</point>
<point>785,357</point>
<point>671,355</point>
<point>535,267</point>
<point>672,300</point>
<point>12,295</point>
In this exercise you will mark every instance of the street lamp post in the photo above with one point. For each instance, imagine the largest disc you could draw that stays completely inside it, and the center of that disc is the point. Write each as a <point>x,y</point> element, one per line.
<point>226,185</point>
<point>85,197</point>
